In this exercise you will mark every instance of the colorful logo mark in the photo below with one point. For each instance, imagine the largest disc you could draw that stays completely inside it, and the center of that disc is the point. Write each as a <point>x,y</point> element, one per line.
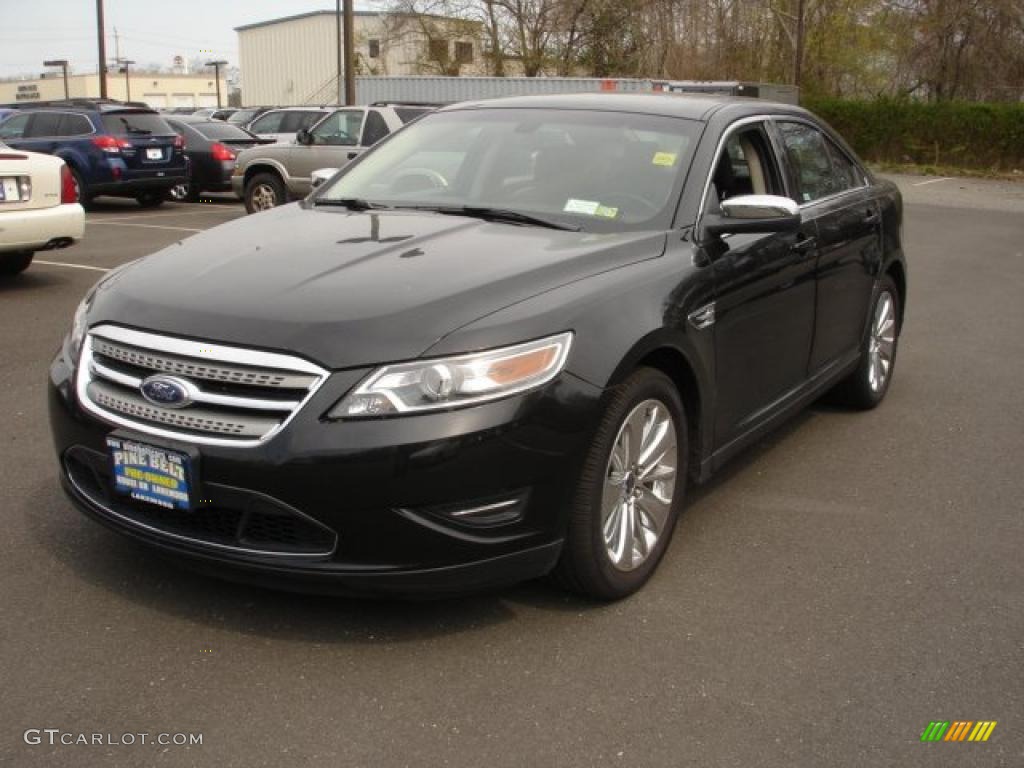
<point>958,730</point>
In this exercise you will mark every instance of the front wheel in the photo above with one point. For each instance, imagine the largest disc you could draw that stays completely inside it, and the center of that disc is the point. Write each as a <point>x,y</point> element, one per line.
<point>630,490</point>
<point>866,386</point>
<point>15,263</point>
<point>263,192</point>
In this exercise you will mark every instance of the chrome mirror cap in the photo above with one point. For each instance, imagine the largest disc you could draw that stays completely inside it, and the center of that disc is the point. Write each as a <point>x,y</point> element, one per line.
<point>759,207</point>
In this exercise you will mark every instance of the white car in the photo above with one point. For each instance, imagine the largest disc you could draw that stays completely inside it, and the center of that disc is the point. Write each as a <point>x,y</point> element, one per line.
<point>282,124</point>
<point>39,207</point>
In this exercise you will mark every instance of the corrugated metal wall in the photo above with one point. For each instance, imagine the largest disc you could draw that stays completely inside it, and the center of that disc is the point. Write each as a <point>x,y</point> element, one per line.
<point>446,89</point>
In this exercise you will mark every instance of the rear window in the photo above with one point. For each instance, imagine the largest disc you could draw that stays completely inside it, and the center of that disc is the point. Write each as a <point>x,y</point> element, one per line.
<point>221,131</point>
<point>143,123</point>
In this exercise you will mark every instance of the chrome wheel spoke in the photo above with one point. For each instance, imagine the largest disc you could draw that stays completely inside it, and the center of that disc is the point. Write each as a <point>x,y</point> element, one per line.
<point>639,482</point>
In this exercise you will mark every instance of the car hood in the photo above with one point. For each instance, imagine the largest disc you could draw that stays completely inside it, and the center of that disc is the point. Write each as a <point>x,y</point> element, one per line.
<point>348,289</point>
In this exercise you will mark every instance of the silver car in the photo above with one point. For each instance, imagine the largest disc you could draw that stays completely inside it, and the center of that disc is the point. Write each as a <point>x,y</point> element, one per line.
<point>271,175</point>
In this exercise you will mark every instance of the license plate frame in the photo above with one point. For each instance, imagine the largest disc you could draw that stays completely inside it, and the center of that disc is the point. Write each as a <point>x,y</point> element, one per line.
<point>160,476</point>
<point>9,184</point>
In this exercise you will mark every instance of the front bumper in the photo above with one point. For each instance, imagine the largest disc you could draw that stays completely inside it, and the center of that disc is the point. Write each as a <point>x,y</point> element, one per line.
<point>375,503</point>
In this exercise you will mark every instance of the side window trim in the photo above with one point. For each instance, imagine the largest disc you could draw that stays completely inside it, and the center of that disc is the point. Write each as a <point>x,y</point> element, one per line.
<point>791,181</point>
<point>720,148</point>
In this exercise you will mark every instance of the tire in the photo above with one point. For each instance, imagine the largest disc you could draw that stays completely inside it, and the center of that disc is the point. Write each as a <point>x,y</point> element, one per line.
<point>84,197</point>
<point>150,199</point>
<point>612,567</point>
<point>15,263</point>
<point>183,193</point>
<point>263,192</point>
<point>865,388</point>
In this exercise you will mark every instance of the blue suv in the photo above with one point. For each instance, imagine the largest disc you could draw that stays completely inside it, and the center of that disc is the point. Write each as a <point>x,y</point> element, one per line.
<point>112,148</point>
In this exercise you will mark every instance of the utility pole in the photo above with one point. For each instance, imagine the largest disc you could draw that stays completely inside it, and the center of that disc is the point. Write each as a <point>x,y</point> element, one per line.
<point>798,54</point>
<point>216,75</point>
<point>102,44</point>
<point>337,20</point>
<point>63,64</point>
<point>350,55</point>
<point>127,80</point>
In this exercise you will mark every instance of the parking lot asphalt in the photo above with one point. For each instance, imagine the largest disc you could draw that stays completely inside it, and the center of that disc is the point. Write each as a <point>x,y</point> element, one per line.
<point>838,587</point>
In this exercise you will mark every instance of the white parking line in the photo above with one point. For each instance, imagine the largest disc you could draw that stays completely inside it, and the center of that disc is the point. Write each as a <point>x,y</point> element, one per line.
<point>120,217</point>
<point>932,181</point>
<point>72,266</point>
<point>145,226</point>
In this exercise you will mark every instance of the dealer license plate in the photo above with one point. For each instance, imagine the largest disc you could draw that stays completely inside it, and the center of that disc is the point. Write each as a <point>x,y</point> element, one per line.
<point>154,475</point>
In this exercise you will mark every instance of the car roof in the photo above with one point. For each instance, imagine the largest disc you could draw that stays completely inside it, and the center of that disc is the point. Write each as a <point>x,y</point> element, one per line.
<point>691,106</point>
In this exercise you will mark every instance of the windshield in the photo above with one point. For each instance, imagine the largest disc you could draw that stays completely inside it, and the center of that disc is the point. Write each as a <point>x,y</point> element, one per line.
<point>142,123</point>
<point>600,171</point>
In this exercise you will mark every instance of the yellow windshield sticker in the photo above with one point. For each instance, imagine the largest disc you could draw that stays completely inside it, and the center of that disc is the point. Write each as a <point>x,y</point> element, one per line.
<point>668,159</point>
<point>606,212</point>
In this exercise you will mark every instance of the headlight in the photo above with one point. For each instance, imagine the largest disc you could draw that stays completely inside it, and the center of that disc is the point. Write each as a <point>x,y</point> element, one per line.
<point>78,327</point>
<point>439,384</point>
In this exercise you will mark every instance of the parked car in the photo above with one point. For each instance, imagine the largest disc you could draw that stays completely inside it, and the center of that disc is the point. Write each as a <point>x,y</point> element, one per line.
<point>39,208</point>
<point>5,112</point>
<point>214,113</point>
<point>270,175</point>
<point>110,148</point>
<point>282,124</point>
<point>500,344</point>
<point>243,117</point>
<point>211,147</point>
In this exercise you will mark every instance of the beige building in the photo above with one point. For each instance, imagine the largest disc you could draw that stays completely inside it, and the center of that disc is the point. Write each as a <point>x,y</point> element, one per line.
<point>157,90</point>
<point>294,60</point>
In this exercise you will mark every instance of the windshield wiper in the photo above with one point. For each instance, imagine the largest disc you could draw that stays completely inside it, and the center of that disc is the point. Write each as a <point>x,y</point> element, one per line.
<point>496,214</point>
<point>352,203</point>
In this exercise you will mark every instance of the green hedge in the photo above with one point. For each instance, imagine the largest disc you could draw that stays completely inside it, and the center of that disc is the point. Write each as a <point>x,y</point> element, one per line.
<point>959,134</point>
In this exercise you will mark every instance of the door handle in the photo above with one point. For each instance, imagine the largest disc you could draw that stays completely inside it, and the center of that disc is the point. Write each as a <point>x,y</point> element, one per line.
<point>352,155</point>
<point>871,217</point>
<point>804,245</point>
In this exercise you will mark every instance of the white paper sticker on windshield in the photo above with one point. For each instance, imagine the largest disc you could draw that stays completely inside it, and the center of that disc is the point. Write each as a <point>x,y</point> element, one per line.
<point>589,207</point>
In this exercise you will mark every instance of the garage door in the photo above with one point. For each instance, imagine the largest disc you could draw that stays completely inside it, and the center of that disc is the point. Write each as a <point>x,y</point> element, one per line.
<point>155,100</point>
<point>207,99</point>
<point>182,100</point>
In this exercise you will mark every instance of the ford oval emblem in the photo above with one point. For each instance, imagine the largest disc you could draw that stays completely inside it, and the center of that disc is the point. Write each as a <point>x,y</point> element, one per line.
<point>167,391</point>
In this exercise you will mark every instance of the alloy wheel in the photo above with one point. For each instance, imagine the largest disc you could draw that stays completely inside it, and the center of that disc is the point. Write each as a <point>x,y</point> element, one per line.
<point>263,197</point>
<point>640,480</point>
<point>882,344</point>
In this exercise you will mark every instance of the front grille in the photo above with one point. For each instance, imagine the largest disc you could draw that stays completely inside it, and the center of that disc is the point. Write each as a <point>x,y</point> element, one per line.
<point>231,518</point>
<point>238,397</point>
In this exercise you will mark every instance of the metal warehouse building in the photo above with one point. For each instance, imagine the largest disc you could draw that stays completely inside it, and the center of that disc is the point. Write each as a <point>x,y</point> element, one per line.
<point>293,60</point>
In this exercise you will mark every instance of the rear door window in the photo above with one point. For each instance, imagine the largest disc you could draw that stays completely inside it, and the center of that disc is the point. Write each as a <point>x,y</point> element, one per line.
<point>44,125</point>
<point>135,123</point>
<point>375,130</point>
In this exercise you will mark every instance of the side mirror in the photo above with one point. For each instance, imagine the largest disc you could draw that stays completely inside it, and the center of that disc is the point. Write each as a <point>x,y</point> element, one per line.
<point>753,214</point>
<point>320,175</point>
<point>303,136</point>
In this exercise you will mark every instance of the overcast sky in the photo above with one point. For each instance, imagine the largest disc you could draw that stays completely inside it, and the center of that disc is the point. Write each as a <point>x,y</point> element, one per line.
<point>152,31</point>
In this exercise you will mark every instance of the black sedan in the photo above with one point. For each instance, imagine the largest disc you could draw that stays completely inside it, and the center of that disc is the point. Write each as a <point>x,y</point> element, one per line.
<point>499,344</point>
<point>211,146</point>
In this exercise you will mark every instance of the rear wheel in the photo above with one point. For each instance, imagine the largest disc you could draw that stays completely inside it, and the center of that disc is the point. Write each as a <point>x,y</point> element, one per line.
<point>263,192</point>
<point>866,386</point>
<point>15,263</point>
<point>630,490</point>
<point>84,198</point>
<point>150,199</point>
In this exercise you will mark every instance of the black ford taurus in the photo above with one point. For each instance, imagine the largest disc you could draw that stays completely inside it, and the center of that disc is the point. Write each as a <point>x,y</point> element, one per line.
<point>498,345</point>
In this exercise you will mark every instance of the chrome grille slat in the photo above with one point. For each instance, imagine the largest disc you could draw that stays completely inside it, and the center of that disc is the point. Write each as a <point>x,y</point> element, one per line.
<point>116,361</point>
<point>231,374</point>
<point>196,419</point>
